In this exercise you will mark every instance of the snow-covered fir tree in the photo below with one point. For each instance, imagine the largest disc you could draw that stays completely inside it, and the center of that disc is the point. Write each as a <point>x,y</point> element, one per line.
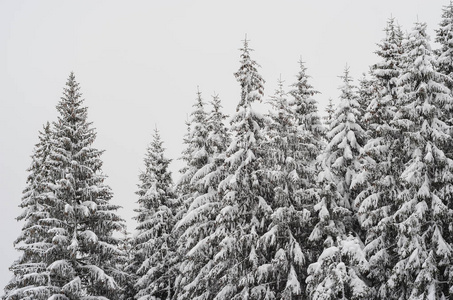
<point>81,260</point>
<point>199,221</point>
<point>341,263</point>
<point>219,136</point>
<point>294,140</point>
<point>444,55</point>
<point>311,132</point>
<point>382,164</point>
<point>423,217</point>
<point>128,265</point>
<point>195,156</point>
<point>244,207</point>
<point>153,243</point>
<point>31,277</point>
<point>83,221</point>
<point>366,91</point>
<point>345,141</point>
<point>444,36</point>
<point>330,110</point>
<point>282,269</point>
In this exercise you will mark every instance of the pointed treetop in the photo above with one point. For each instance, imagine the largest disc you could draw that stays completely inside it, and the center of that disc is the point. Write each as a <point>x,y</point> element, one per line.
<point>246,42</point>
<point>346,78</point>
<point>252,84</point>
<point>302,87</point>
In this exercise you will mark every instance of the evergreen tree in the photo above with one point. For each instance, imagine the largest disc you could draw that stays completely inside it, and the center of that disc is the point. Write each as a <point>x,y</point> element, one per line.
<point>282,269</point>
<point>338,273</point>
<point>31,277</point>
<point>336,218</point>
<point>311,134</point>
<point>294,140</point>
<point>129,266</point>
<point>199,221</point>
<point>366,91</point>
<point>219,136</point>
<point>444,56</point>
<point>422,219</point>
<point>79,252</point>
<point>83,220</point>
<point>196,156</point>
<point>382,164</point>
<point>330,110</point>
<point>153,245</point>
<point>444,36</point>
<point>244,206</point>
<point>305,107</point>
<point>345,141</point>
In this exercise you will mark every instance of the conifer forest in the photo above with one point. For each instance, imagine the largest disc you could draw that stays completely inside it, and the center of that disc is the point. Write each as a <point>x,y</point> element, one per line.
<point>352,203</point>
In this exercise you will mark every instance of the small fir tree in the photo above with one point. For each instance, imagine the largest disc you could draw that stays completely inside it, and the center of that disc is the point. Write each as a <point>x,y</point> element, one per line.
<point>444,36</point>
<point>336,219</point>
<point>153,244</point>
<point>31,277</point>
<point>330,110</point>
<point>423,217</point>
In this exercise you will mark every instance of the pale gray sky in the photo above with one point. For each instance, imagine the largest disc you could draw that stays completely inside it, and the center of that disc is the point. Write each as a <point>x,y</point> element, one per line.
<point>139,64</point>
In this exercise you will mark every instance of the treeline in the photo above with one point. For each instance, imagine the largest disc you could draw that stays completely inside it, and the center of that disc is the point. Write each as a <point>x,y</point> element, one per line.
<point>281,205</point>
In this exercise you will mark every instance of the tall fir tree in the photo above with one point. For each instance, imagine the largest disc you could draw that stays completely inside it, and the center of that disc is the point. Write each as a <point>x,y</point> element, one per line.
<point>281,272</point>
<point>82,260</point>
<point>423,217</point>
<point>153,244</point>
<point>195,156</point>
<point>199,221</point>
<point>83,220</point>
<point>341,263</point>
<point>31,277</point>
<point>244,205</point>
<point>381,164</point>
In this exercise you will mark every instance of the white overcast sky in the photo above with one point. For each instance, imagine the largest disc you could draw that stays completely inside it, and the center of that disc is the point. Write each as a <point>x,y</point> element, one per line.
<point>139,64</point>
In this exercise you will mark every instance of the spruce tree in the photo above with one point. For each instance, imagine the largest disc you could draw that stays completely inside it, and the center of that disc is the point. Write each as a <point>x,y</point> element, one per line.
<point>423,217</point>
<point>282,269</point>
<point>195,156</point>
<point>153,244</point>
<point>31,277</point>
<point>80,254</point>
<point>294,140</point>
<point>330,110</point>
<point>311,134</point>
<point>366,91</point>
<point>381,164</point>
<point>199,221</point>
<point>83,221</point>
<point>341,263</point>
<point>244,207</point>
<point>444,36</point>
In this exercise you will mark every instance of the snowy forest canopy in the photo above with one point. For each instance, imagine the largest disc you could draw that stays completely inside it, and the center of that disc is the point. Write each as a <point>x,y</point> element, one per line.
<point>281,205</point>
